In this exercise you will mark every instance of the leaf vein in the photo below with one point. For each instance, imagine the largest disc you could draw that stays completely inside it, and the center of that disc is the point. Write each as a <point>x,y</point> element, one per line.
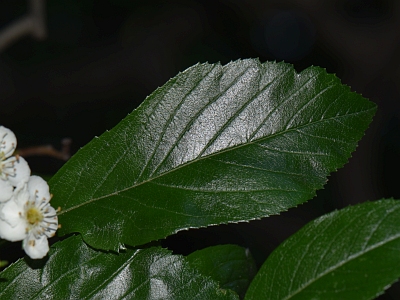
<point>46,287</point>
<point>320,137</point>
<point>278,106</point>
<point>294,152</point>
<point>259,168</point>
<point>111,276</point>
<point>348,259</point>
<point>289,123</point>
<point>194,119</point>
<point>237,113</point>
<point>169,121</point>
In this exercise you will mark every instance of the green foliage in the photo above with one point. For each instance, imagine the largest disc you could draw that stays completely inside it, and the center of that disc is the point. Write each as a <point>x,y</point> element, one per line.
<point>215,144</point>
<point>230,265</point>
<point>75,271</point>
<point>349,254</point>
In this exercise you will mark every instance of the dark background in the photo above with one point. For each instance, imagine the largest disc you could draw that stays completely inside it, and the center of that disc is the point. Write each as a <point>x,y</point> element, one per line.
<point>102,58</point>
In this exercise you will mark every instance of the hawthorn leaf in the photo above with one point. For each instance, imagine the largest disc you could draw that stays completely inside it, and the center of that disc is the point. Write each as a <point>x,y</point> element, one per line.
<point>215,144</point>
<point>76,271</point>
<point>231,266</point>
<point>350,254</point>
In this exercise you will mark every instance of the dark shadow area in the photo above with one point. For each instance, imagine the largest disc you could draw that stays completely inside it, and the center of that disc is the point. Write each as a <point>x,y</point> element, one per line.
<point>36,263</point>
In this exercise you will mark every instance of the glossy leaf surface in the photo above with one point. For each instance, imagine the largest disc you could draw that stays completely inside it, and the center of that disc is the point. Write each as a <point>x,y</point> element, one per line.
<point>231,266</point>
<point>215,144</point>
<point>75,271</point>
<point>349,254</point>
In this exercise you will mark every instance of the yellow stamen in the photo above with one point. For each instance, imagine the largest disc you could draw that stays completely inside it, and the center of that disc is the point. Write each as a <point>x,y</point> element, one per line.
<point>34,216</point>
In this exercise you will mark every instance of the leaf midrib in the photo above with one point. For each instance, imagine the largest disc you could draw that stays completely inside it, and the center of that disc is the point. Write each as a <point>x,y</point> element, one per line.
<point>208,156</point>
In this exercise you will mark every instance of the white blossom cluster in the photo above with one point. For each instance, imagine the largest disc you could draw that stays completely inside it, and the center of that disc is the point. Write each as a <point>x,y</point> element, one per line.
<point>25,211</point>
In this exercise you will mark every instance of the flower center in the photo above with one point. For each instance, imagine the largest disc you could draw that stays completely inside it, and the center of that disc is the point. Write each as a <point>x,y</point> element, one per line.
<point>34,216</point>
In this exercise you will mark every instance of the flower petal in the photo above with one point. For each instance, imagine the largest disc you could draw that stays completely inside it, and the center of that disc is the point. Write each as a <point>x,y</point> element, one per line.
<point>36,248</point>
<point>8,141</point>
<point>12,213</point>
<point>12,226</point>
<point>6,190</point>
<point>38,187</point>
<point>22,172</point>
<point>21,194</point>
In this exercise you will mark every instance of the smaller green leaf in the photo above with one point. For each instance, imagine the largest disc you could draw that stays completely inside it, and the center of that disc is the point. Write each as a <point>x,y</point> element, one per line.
<point>76,271</point>
<point>230,265</point>
<point>349,254</point>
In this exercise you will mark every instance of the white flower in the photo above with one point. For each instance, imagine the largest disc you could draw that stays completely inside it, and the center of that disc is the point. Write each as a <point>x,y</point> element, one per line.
<point>13,169</point>
<point>28,216</point>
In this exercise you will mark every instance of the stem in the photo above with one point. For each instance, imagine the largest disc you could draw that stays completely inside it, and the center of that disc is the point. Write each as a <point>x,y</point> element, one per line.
<point>33,23</point>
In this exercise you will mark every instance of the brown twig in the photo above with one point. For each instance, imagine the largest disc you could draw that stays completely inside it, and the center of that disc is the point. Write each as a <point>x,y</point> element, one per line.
<point>32,23</point>
<point>48,150</point>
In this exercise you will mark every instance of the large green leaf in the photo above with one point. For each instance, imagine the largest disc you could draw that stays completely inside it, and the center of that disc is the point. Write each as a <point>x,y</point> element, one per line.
<point>349,254</point>
<point>75,271</point>
<point>231,266</point>
<point>215,144</point>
